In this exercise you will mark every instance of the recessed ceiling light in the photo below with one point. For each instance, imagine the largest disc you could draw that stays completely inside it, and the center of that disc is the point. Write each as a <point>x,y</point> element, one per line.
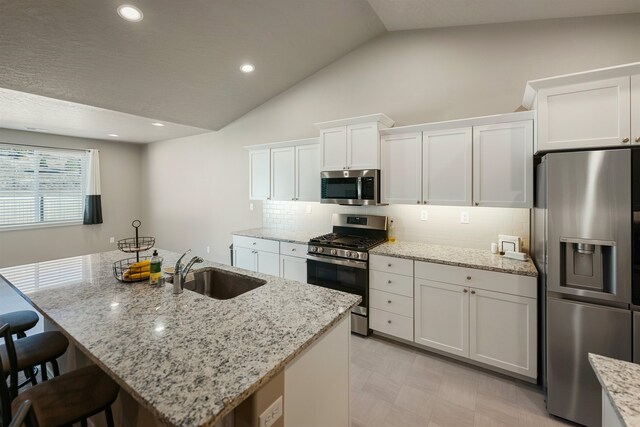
<point>130,13</point>
<point>114,135</point>
<point>158,124</point>
<point>247,68</point>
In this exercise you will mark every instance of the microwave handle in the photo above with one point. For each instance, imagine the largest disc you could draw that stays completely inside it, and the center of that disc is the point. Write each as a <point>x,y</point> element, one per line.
<point>359,188</point>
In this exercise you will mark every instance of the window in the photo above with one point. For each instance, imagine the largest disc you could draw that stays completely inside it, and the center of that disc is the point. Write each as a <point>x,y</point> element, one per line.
<point>41,185</point>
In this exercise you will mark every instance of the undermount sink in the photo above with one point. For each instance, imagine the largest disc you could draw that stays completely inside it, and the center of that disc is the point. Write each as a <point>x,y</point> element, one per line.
<point>221,284</point>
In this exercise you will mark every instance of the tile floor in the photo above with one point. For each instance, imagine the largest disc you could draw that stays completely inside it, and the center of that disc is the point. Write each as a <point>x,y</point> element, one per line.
<point>397,386</point>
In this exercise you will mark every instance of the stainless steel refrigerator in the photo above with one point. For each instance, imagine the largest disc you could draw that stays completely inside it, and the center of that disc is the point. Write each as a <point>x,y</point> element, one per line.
<point>585,241</point>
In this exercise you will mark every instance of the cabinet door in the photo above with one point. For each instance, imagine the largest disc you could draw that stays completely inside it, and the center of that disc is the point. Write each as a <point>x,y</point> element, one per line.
<point>363,146</point>
<point>635,109</point>
<point>244,258</point>
<point>503,165</point>
<point>401,168</point>
<point>293,268</point>
<point>308,173</point>
<point>446,167</point>
<point>333,148</point>
<point>283,173</point>
<point>583,115</point>
<point>442,316</point>
<point>503,331</point>
<point>268,263</point>
<point>259,175</point>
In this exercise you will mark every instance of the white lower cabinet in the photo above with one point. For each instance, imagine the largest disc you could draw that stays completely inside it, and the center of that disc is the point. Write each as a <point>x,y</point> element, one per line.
<point>391,324</point>
<point>502,331</point>
<point>442,316</point>
<point>260,255</point>
<point>244,258</point>
<point>268,263</point>
<point>293,268</point>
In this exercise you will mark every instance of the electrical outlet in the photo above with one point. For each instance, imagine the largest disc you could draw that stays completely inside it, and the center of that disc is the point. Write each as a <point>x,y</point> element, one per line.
<point>424,215</point>
<point>112,239</point>
<point>308,209</point>
<point>464,217</point>
<point>250,206</point>
<point>272,413</point>
<point>208,249</point>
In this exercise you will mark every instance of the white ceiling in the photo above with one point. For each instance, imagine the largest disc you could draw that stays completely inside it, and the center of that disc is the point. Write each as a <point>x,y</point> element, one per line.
<point>23,111</point>
<point>399,15</point>
<point>92,73</point>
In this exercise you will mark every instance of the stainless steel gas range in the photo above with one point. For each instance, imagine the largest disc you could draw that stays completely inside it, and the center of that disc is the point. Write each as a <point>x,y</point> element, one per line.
<point>340,260</point>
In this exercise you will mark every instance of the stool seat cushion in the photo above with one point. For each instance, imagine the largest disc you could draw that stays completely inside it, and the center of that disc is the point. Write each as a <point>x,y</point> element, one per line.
<point>70,397</point>
<point>35,349</point>
<point>19,321</point>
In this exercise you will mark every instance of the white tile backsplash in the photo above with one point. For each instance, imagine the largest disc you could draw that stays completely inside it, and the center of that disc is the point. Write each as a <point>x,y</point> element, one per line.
<point>443,226</point>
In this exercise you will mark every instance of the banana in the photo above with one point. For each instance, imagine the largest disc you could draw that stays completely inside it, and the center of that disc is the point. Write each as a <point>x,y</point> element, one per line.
<point>136,276</point>
<point>141,264</point>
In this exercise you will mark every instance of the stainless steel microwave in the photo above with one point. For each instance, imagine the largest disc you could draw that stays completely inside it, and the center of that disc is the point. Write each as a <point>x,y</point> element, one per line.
<point>351,187</point>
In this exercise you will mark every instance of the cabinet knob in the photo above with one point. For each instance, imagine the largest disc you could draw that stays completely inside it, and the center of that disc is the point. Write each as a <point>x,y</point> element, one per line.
<point>418,202</point>
<point>389,282</point>
<point>473,292</point>
<point>389,265</point>
<point>389,321</point>
<point>468,277</point>
<point>465,291</point>
<point>424,203</point>
<point>625,140</point>
<point>638,139</point>
<point>268,198</point>
<point>293,249</point>
<point>477,204</point>
<point>389,301</point>
<point>254,243</point>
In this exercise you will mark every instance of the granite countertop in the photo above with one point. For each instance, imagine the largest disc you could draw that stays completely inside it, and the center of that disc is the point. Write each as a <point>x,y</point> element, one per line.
<point>189,359</point>
<point>451,255</point>
<point>621,381</point>
<point>301,237</point>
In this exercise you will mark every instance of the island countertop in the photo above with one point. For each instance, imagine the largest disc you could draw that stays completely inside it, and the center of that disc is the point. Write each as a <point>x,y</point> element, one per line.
<point>187,358</point>
<point>621,382</point>
<point>451,255</point>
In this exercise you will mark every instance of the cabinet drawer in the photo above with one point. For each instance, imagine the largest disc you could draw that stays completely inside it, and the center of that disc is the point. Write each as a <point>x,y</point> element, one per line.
<point>257,244</point>
<point>389,282</point>
<point>393,303</point>
<point>513,284</point>
<point>391,324</point>
<point>391,265</point>
<point>293,249</point>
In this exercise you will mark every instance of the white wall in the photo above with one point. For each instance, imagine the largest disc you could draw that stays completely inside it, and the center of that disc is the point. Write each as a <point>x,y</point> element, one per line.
<point>414,77</point>
<point>121,204</point>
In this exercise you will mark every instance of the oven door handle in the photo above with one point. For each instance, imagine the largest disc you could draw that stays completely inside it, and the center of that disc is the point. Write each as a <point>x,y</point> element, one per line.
<point>347,263</point>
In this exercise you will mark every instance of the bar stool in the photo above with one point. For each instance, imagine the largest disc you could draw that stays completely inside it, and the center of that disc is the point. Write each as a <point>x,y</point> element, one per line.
<point>63,400</point>
<point>24,416</point>
<point>34,350</point>
<point>20,322</point>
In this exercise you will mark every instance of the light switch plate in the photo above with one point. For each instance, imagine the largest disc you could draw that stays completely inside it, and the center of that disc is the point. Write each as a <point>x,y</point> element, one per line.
<point>464,217</point>
<point>112,240</point>
<point>424,215</point>
<point>250,206</point>
<point>208,249</point>
<point>272,413</point>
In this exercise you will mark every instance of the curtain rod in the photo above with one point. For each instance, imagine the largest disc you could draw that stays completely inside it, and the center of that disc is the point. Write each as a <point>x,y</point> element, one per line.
<point>44,146</point>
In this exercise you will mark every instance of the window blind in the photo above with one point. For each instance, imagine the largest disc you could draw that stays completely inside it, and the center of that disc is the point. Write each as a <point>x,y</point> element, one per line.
<point>41,185</point>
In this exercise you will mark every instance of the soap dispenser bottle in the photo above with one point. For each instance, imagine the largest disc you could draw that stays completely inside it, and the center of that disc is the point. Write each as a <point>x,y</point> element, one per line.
<point>155,268</point>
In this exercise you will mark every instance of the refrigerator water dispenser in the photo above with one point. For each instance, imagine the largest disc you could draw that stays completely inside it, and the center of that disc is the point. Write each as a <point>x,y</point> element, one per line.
<point>588,264</point>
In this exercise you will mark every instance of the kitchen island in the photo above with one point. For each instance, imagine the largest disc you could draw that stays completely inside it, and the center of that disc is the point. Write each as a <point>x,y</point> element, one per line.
<point>187,359</point>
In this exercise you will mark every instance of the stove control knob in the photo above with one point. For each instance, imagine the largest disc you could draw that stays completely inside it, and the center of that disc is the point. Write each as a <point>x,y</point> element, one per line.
<point>333,252</point>
<point>356,255</point>
<point>347,254</point>
<point>313,249</point>
<point>320,249</point>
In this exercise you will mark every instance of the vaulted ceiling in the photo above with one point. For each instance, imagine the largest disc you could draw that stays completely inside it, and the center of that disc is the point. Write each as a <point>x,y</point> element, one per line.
<point>180,64</point>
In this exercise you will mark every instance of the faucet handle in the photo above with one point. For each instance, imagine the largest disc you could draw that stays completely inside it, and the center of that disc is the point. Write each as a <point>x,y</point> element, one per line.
<point>179,261</point>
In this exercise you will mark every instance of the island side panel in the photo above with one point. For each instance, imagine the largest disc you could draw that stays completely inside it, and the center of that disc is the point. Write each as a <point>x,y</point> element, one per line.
<point>316,383</point>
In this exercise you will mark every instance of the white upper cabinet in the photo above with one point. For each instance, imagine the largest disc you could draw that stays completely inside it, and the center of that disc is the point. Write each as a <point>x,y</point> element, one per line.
<point>446,167</point>
<point>259,174</point>
<point>283,173</point>
<point>635,109</point>
<point>308,173</point>
<point>363,146</point>
<point>352,143</point>
<point>584,115</point>
<point>401,168</point>
<point>503,165</point>
<point>333,146</point>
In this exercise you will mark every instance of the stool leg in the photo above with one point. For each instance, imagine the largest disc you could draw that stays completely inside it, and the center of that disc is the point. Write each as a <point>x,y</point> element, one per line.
<point>83,422</point>
<point>109,416</point>
<point>21,335</point>
<point>43,367</point>
<point>33,375</point>
<point>56,368</point>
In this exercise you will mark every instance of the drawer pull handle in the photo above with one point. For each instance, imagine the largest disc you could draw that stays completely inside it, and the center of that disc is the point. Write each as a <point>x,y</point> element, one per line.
<point>473,292</point>
<point>625,140</point>
<point>389,301</point>
<point>389,265</point>
<point>389,321</point>
<point>389,282</point>
<point>293,250</point>
<point>468,277</point>
<point>254,243</point>
<point>465,291</point>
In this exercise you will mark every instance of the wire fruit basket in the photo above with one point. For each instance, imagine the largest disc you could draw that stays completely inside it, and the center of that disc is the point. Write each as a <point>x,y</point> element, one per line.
<point>134,269</point>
